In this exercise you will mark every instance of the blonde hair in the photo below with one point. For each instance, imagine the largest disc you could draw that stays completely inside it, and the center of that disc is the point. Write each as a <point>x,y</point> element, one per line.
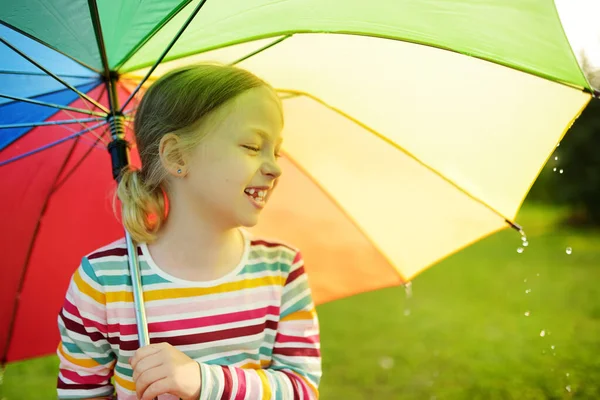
<point>177,103</point>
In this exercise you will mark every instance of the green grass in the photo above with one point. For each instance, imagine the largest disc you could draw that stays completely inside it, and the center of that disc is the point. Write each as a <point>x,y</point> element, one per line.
<point>466,336</point>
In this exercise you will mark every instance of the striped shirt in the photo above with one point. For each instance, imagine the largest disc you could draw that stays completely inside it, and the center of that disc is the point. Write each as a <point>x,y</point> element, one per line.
<point>254,332</point>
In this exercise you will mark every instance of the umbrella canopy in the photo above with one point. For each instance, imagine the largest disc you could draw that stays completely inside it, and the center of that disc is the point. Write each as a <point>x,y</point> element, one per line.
<point>413,129</point>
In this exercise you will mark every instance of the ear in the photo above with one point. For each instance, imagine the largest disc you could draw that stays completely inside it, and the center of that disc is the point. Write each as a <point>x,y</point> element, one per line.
<point>171,157</point>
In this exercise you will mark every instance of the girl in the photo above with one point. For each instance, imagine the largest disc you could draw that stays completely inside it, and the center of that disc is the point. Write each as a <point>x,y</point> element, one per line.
<point>229,316</point>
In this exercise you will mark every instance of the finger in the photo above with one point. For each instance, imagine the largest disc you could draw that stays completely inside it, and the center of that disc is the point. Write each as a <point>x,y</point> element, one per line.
<point>146,363</point>
<point>155,389</point>
<point>143,352</point>
<point>147,378</point>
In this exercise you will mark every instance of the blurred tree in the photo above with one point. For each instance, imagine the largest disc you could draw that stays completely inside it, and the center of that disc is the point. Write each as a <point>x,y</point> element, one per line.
<point>579,158</point>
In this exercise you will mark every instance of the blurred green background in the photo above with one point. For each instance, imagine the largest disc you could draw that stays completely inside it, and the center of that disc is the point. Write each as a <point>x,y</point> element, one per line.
<point>486,323</point>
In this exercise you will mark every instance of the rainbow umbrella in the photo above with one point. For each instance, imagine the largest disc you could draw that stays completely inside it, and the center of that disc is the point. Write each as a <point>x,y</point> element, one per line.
<point>413,129</point>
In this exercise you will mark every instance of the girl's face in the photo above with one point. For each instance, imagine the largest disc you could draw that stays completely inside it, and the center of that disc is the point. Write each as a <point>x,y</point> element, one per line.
<point>232,172</point>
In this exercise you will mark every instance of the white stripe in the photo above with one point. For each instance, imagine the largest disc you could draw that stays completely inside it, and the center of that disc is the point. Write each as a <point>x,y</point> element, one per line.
<point>234,382</point>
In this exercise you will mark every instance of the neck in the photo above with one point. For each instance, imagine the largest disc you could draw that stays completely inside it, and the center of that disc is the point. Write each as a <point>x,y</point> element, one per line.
<point>191,241</point>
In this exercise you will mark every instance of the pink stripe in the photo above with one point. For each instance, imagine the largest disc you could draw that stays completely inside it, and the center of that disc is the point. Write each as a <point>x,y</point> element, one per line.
<point>84,379</point>
<point>121,310</point>
<point>297,339</point>
<point>89,308</point>
<point>241,387</point>
<point>200,322</point>
<point>254,385</point>
<point>71,309</point>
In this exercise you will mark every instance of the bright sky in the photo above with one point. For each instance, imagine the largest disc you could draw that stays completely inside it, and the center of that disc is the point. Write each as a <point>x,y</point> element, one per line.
<point>581,22</point>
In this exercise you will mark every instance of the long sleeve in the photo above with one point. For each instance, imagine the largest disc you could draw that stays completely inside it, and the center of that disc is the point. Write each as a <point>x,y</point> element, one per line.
<point>295,370</point>
<point>86,357</point>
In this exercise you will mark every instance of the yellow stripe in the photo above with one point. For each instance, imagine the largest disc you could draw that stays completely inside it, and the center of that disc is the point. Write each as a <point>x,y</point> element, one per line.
<point>165,294</point>
<point>82,362</point>
<point>298,315</point>
<point>86,289</point>
<point>265,384</point>
<point>254,365</point>
<point>125,383</point>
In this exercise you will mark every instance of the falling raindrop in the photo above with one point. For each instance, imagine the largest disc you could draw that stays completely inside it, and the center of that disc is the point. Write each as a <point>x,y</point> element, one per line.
<point>386,362</point>
<point>525,243</point>
<point>543,333</point>
<point>569,250</point>
<point>568,388</point>
<point>408,289</point>
<point>527,313</point>
<point>520,250</point>
<point>528,291</point>
<point>561,171</point>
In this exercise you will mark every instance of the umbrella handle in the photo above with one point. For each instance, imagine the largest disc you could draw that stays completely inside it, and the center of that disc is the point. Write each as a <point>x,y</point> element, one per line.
<point>138,294</point>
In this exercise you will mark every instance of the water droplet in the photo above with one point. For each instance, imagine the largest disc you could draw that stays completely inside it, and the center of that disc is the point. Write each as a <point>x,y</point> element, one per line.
<point>568,374</point>
<point>568,388</point>
<point>408,289</point>
<point>407,312</point>
<point>556,158</point>
<point>561,171</point>
<point>538,274</point>
<point>527,313</point>
<point>386,362</point>
<point>553,347</point>
<point>558,144</point>
<point>569,250</point>
<point>525,244</point>
<point>520,250</point>
<point>554,169</point>
<point>524,238</point>
<point>543,333</point>
<point>525,280</point>
<point>528,291</point>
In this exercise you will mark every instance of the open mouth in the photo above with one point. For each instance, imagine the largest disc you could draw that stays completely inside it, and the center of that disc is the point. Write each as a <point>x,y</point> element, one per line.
<point>257,196</point>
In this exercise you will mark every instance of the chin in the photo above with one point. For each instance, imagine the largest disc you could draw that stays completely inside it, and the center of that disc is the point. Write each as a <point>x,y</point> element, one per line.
<point>248,221</point>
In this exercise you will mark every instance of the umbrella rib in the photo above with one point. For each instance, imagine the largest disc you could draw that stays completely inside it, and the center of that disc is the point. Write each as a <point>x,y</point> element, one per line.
<point>268,46</point>
<point>342,210</point>
<point>14,28</point>
<point>49,123</point>
<point>29,73</point>
<point>57,78</point>
<point>402,149</point>
<point>58,184</point>
<point>165,52</point>
<point>43,103</point>
<point>153,32</point>
<point>49,145</point>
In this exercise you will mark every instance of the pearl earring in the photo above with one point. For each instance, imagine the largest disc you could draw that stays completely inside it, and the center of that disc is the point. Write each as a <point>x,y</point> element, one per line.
<point>179,171</point>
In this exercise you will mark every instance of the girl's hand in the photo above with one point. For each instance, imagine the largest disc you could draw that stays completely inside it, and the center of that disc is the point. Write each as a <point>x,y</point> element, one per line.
<point>161,368</point>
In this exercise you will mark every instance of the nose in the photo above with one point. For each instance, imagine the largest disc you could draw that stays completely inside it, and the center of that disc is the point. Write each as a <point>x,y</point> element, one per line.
<point>272,168</point>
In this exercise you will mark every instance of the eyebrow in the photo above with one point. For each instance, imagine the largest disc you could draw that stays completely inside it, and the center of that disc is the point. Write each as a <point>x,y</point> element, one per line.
<point>265,136</point>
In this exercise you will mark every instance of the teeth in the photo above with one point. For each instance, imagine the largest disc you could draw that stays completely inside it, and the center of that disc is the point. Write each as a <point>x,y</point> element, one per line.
<point>251,191</point>
<point>262,193</point>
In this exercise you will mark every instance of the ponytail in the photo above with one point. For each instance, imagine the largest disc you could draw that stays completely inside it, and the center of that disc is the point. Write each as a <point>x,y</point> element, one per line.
<point>142,207</point>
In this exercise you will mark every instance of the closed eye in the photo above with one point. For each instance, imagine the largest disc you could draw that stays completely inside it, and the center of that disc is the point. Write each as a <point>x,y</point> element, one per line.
<point>252,148</point>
